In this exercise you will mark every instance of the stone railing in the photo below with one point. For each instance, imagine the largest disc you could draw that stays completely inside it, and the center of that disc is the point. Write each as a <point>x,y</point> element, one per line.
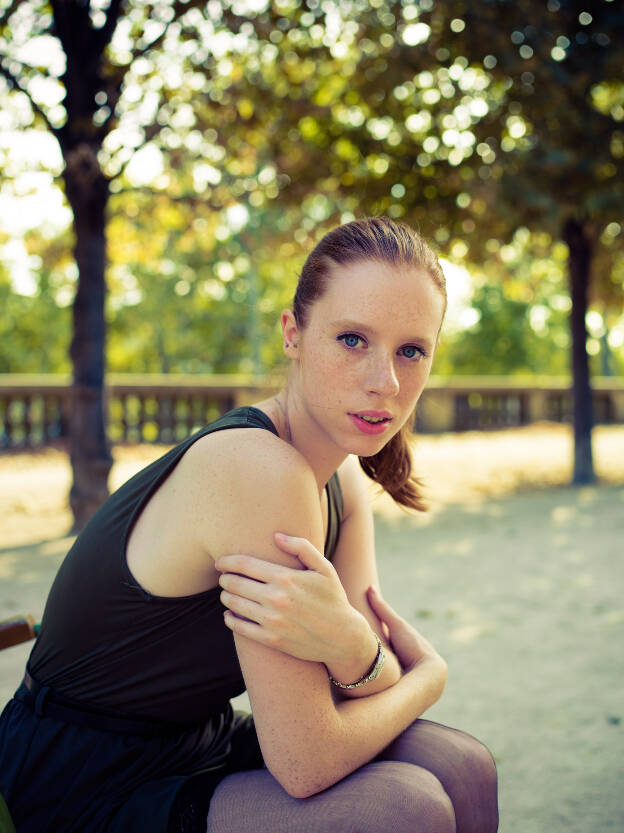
<point>35,410</point>
<point>464,403</point>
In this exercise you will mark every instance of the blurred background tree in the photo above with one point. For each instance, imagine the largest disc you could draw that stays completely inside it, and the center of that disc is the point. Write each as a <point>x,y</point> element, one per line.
<point>560,130</point>
<point>221,139</point>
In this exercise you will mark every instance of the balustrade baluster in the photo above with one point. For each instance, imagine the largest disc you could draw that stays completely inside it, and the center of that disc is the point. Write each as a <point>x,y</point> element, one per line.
<point>4,411</point>
<point>14,419</point>
<point>141,417</point>
<point>124,418</point>
<point>47,418</point>
<point>27,420</point>
<point>165,419</point>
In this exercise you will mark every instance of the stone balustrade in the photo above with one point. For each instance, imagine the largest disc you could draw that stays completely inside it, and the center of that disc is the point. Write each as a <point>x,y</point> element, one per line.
<point>35,410</point>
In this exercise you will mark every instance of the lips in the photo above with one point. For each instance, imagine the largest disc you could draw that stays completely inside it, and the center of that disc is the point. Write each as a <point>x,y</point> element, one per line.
<point>371,422</point>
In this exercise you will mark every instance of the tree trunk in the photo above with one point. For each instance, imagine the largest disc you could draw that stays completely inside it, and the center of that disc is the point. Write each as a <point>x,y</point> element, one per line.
<point>580,252</point>
<point>88,191</point>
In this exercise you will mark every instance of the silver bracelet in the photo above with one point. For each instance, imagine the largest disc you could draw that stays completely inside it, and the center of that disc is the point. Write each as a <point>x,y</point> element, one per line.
<point>373,672</point>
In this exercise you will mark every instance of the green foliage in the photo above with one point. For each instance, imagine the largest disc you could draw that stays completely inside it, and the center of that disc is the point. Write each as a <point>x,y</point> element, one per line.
<point>498,339</point>
<point>232,138</point>
<point>510,336</point>
<point>34,331</point>
<point>192,296</point>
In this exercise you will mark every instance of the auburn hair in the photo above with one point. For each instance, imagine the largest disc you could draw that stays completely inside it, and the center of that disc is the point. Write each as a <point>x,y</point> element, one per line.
<point>381,239</point>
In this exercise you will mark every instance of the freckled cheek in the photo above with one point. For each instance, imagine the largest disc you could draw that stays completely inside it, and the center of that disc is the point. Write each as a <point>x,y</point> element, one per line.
<point>331,371</point>
<point>413,386</point>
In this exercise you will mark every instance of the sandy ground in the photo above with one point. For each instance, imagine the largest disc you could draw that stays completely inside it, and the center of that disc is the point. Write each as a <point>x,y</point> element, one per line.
<point>517,578</point>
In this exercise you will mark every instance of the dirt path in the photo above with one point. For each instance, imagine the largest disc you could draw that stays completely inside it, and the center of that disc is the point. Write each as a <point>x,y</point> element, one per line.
<point>521,588</point>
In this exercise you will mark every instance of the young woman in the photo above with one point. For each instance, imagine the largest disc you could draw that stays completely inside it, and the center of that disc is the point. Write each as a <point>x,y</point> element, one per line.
<point>187,587</point>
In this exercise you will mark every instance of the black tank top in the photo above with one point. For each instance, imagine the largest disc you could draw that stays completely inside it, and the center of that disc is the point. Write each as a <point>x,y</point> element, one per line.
<point>107,642</point>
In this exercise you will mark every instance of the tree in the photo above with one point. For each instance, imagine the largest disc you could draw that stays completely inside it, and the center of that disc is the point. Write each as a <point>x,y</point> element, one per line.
<point>559,128</point>
<point>69,60</point>
<point>86,78</point>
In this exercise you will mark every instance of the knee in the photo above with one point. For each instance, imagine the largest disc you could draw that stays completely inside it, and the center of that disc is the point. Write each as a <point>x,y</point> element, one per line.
<point>410,799</point>
<point>477,761</point>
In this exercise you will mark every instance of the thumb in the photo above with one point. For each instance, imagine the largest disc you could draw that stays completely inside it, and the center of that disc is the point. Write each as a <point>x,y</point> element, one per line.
<point>306,552</point>
<point>380,606</point>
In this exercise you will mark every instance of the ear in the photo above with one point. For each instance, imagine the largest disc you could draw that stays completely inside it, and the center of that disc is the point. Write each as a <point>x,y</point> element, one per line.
<point>291,334</point>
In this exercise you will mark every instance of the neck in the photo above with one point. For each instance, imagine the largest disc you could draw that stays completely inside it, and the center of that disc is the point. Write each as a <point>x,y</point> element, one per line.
<point>296,427</point>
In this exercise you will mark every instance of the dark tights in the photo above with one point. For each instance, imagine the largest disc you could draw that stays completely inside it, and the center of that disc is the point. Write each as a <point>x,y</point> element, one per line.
<point>431,779</point>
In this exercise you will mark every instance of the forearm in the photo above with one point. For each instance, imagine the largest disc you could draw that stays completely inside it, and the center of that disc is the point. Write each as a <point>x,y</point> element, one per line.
<point>370,724</point>
<point>362,728</point>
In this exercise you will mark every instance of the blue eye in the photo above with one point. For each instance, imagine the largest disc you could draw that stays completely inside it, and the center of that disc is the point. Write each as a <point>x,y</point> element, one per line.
<point>350,340</point>
<point>410,351</point>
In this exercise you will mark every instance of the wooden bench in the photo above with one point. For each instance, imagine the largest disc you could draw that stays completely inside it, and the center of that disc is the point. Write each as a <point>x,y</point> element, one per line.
<point>17,629</point>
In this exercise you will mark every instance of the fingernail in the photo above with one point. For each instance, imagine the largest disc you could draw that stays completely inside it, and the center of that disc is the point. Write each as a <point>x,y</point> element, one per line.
<point>282,536</point>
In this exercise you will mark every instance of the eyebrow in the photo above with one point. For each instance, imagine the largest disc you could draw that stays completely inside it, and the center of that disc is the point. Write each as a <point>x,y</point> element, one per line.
<point>350,324</point>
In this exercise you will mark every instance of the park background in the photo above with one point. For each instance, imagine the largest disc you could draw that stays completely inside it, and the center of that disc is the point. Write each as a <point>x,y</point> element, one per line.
<point>166,166</point>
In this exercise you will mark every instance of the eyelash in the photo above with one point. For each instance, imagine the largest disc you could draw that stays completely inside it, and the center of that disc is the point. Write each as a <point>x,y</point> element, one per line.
<point>420,353</point>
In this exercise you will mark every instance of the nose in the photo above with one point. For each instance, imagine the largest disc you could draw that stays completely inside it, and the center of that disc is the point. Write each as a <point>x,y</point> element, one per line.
<point>382,378</point>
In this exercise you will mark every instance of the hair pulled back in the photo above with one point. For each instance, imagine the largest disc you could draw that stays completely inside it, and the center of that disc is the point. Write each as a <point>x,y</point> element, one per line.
<point>381,239</point>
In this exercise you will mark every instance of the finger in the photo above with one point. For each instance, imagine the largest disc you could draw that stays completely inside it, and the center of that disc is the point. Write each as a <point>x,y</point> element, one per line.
<point>250,566</point>
<point>306,552</point>
<point>248,588</point>
<point>249,629</point>
<point>242,607</point>
<point>381,608</point>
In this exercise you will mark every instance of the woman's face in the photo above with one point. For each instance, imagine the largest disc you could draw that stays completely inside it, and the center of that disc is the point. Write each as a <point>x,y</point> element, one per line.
<point>365,353</point>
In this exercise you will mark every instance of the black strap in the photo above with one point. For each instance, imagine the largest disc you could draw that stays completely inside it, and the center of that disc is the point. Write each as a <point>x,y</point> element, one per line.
<point>45,702</point>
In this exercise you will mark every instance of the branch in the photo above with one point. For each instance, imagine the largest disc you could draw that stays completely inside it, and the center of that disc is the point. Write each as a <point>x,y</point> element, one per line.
<point>105,34</point>
<point>14,84</point>
<point>139,52</point>
<point>189,198</point>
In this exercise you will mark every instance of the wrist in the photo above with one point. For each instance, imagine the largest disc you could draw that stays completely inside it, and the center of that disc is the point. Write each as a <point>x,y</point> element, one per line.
<point>358,656</point>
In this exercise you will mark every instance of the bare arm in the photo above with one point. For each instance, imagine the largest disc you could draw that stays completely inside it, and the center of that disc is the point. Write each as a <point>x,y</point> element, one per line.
<point>321,613</point>
<point>308,741</point>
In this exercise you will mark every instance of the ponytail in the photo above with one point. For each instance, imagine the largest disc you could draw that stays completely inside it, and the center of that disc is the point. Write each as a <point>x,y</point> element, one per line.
<point>392,469</point>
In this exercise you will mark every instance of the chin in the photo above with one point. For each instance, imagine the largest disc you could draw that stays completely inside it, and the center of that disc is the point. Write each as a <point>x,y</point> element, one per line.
<point>370,448</point>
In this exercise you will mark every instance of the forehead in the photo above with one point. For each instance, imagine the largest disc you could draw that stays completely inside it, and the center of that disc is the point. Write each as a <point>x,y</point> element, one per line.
<point>379,293</point>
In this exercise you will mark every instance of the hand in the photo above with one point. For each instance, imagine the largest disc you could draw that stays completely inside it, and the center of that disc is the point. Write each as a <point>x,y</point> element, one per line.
<point>410,647</point>
<point>304,613</point>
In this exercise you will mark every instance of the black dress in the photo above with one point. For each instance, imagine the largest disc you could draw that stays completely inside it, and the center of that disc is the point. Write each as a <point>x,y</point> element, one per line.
<point>123,722</point>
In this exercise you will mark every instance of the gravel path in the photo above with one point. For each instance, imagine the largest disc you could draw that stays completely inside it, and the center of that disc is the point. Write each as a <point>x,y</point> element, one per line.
<point>520,587</point>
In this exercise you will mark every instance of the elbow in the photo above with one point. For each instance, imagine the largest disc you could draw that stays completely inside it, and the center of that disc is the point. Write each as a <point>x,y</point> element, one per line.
<point>303,767</point>
<point>300,791</point>
<point>300,784</point>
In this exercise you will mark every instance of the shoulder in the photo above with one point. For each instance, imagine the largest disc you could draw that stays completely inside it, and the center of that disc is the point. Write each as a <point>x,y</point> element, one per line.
<point>246,484</point>
<point>238,452</point>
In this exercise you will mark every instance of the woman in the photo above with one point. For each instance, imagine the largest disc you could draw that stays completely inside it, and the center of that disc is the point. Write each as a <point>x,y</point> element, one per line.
<point>123,722</point>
